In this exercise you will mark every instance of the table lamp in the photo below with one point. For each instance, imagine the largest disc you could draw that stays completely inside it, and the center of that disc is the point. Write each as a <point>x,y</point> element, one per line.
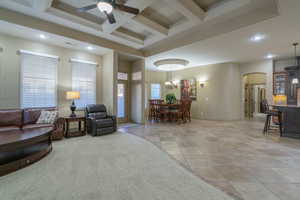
<point>72,95</point>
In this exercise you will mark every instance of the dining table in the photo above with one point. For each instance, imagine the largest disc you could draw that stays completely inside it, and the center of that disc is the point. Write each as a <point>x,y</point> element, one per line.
<point>169,107</point>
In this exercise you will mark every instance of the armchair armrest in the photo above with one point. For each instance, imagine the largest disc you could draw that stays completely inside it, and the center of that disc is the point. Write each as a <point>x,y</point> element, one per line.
<point>91,125</point>
<point>114,118</point>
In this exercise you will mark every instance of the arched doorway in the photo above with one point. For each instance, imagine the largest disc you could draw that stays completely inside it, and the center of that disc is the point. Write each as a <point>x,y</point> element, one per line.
<point>254,85</point>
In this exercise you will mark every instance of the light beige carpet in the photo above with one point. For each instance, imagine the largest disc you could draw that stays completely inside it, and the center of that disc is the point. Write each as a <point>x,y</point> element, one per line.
<point>112,167</point>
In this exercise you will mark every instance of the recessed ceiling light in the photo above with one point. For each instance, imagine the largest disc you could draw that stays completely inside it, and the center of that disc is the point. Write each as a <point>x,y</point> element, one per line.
<point>90,48</point>
<point>257,37</point>
<point>270,56</point>
<point>42,36</point>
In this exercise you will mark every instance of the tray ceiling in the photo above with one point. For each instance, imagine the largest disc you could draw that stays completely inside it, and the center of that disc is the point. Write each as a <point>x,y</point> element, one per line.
<point>159,20</point>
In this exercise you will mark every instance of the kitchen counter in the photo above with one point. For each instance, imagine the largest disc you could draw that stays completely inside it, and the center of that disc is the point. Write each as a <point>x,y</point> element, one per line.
<point>290,120</point>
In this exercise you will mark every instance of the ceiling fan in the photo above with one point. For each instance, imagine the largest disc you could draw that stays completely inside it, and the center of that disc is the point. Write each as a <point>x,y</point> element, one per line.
<point>107,6</point>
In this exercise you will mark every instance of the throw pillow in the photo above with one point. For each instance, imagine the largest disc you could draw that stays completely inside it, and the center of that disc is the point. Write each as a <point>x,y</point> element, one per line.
<point>47,117</point>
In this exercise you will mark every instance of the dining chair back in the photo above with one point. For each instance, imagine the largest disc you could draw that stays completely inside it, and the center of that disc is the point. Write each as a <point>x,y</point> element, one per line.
<point>187,104</point>
<point>154,108</point>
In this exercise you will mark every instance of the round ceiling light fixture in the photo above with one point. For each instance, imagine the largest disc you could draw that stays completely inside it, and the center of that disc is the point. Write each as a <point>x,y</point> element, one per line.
<point>171,64</point>
<point>105,7</point>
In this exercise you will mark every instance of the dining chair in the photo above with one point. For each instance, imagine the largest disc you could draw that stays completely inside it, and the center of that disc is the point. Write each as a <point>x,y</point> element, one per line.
<point>163,112</point>
<point>151,114</point>
<point>187,104</point>
<point>177,113</point>
<point>154,109</point>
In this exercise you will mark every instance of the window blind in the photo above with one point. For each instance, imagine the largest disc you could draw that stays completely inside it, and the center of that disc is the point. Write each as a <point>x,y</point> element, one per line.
<point>122,76</point>
<point>155,91</point>
<point>38,80</point>
<point>84,81</point>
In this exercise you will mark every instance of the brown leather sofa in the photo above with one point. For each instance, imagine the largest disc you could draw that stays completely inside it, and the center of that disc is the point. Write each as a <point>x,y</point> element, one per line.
<point>24,119</point>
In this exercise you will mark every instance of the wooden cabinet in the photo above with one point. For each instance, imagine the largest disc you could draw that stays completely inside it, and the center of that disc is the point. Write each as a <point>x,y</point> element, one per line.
<point>280,83</point>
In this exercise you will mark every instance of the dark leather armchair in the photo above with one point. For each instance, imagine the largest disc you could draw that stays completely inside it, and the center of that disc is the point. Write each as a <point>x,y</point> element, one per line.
<point>98,122</point>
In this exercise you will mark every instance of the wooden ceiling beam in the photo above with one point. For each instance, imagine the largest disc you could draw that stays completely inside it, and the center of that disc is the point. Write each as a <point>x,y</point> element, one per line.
<point>188,8</point>
<point>151,25</point>
<point>42,5</point>
<point>72,11</point>
<point>130,35</point>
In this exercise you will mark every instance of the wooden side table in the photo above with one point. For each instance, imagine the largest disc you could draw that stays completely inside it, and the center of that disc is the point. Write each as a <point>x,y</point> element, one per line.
<point>80,131</point>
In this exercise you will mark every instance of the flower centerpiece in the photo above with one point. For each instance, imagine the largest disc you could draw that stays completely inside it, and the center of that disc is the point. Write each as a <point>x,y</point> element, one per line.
<point>170,98</point>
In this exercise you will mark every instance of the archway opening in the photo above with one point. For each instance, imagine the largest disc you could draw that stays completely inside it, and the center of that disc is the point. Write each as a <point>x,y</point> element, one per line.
<point>254,86</point>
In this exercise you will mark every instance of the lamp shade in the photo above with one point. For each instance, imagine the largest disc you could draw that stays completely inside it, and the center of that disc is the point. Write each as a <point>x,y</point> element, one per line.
<point>71,95</point>
<point>280,99</point>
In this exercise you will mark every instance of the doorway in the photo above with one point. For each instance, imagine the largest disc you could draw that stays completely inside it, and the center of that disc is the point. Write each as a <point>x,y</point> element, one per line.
<point>254,93</point>
<point>122,102</point>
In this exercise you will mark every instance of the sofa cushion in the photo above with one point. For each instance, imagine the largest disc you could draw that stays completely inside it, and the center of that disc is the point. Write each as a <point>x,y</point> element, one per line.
<point>33,126</point>
<point>47,117</point>
<point>9,128</point>
<point>11,117</point>
<point>31,115</point>
<point>98,115</point>
<point>101,123</point>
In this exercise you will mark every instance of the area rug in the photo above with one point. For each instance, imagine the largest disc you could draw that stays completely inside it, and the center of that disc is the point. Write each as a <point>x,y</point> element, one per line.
<point>113,167</point>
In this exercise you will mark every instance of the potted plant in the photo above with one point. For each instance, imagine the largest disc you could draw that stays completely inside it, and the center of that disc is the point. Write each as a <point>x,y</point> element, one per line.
<point>170,98</point>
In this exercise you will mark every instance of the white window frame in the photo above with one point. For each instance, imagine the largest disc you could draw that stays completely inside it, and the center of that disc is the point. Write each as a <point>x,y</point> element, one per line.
<point>21,75</point>
<point>151,90</point>
<point>95,82</point>
<point>121,78</point>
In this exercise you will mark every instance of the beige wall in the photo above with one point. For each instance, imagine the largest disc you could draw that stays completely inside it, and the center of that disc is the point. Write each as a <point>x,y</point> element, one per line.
<point>125,66</point>
<point>10,70</point>
<point>266,67</point>
<point>138,93</point>
<point>109,81</point>
<point>219,99</point>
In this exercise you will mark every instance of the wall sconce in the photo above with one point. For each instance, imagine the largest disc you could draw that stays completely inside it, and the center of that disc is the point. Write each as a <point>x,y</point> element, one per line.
<point>202,84</point>
<point>295,81</point>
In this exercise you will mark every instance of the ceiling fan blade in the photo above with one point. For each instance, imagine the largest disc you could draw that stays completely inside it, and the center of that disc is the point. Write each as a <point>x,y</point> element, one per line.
<point>87,8</point>
<point>128,9</point>
<point>110,17</point>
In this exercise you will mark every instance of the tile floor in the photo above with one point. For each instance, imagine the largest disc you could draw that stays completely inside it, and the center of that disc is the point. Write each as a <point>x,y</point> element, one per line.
<point>233,156</point>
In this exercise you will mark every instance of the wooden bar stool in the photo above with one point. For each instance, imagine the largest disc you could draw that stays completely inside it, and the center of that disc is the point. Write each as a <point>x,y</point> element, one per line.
<point>271,113</point>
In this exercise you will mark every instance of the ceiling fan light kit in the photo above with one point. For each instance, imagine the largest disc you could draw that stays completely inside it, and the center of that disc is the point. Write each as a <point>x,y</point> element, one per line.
<point>107,7</point>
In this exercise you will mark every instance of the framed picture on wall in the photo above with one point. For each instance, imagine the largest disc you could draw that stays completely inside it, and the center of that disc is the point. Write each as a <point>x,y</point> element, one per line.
<point>189,89</point>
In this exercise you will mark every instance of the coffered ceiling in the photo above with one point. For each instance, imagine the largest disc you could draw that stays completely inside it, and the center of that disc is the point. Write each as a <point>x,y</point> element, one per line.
<point>157,27</point>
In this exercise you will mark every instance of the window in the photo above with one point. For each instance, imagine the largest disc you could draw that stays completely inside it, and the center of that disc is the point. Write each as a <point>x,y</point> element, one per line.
<point>136,76</point>
<point>122,76</point>
<point>84,81</point>
<point>38,80</point>
<point>155,91</point>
